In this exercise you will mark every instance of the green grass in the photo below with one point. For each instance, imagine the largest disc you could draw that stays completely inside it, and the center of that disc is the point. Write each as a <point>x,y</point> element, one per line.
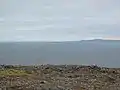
<point>12,72</point>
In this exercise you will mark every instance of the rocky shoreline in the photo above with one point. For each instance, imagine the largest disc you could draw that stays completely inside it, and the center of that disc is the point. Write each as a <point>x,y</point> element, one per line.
<point>60,77</point>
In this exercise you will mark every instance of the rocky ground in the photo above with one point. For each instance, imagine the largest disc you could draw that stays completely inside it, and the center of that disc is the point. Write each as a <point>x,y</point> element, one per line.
<point>60,77</point>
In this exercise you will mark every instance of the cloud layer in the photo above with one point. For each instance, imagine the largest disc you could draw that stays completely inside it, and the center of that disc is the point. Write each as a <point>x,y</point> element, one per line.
<point>58,20</point>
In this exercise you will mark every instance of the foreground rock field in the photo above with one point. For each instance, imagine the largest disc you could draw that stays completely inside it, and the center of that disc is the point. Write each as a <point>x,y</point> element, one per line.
<point>59,77</point>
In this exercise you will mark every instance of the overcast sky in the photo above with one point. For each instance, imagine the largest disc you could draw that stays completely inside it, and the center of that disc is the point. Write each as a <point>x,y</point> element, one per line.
<point>59,20</point>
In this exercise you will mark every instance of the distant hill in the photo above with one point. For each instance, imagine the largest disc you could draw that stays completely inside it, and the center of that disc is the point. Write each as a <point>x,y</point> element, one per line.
<point>101,52</point>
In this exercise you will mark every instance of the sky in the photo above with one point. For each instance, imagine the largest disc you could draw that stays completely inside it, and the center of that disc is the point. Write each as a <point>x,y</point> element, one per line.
<point>59,20</point>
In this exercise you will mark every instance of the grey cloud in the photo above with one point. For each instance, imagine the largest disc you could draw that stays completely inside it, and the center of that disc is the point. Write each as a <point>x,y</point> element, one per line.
<point>58,19</point>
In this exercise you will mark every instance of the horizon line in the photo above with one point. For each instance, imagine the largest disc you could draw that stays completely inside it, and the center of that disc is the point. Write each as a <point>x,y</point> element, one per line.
<point>59,40</point>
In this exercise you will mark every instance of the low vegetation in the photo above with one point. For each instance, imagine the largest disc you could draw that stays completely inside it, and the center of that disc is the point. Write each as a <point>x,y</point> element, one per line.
<point>12,72</point>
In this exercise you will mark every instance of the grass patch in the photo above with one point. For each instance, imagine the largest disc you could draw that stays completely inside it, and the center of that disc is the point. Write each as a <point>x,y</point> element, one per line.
<point>12,72</point>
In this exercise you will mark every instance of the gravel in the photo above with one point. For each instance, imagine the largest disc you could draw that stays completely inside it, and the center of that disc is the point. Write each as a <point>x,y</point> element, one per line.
<point>64,77</point>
